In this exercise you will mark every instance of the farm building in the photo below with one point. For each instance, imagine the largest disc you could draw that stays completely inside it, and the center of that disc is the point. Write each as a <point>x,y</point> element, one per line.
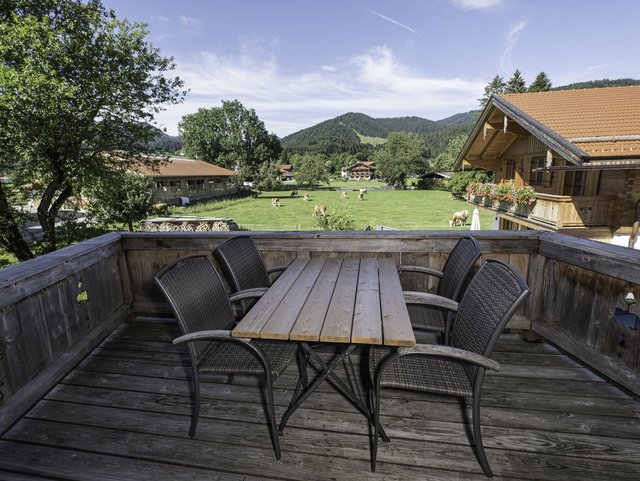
<point>285,173</point>
<point>182,180</point>
<point>578,149</point>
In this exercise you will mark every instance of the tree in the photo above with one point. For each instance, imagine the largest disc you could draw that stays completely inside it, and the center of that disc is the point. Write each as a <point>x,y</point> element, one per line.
<point>446,159</point>
<point>310,170</point>
<point>230,136</point>
<point>121,198</point>
<point>516,84</point>
<point>542,83</point>
<point>495,87</point>
<point>402,155</point>
<point>267,177</point>
<point>78,91</point>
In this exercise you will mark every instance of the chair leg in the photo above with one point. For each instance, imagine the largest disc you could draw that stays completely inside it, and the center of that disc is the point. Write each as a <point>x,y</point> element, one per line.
<point>477,436</point>
<point>272,418</point>
<point>376,424</point>
<point>195,415</point>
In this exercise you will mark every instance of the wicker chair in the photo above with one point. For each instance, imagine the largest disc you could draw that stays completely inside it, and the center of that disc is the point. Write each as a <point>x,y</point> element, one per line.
<point>424,311</point>
<point>493,295</point>
<point>202,307</point>
<point>244,267</point>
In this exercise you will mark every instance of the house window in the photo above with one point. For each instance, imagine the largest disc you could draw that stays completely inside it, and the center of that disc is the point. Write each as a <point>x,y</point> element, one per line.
<point>578,182</point>
<point>536,178</point>
<point>197,184</point>
<point>509,170</point>
<point>174,185</point>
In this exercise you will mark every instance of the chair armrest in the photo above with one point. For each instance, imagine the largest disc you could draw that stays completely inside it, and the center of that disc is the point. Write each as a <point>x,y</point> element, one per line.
<point>451,352</point>
<point>276,269</point>
<point>204,336</point>
<point>421,270</point>
<point>248,294</point>
<point>427,299</point>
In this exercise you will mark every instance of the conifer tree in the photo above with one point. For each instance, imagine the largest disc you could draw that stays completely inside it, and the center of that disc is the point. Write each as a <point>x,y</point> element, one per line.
<point>516,84</point>
<point>495,86</point>
<point>542,83</point>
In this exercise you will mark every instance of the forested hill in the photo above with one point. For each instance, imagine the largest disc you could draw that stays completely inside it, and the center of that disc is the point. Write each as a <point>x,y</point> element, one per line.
<point>351,131</point>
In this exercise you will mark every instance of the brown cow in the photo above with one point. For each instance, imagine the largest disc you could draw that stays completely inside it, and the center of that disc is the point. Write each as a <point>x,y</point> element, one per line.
<point>275,202</point>
<point>160,209</point>
<point>320,209</point>
<point>459,218</point>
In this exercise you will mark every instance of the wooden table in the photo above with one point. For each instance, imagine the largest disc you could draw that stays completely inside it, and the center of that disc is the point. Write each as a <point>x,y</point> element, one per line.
<point>331,300</point>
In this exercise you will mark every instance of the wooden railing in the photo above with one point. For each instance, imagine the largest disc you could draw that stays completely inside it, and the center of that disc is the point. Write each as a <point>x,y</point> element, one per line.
<point>56,308</point>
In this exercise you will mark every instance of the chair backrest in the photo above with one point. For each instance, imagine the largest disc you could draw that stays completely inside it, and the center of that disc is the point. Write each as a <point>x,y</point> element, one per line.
<point>199,300</point>
<point>242,263</point>
<point>457,267</point>
<point>490,300</point>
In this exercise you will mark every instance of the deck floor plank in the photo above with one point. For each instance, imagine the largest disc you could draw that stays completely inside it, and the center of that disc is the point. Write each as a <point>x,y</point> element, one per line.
<point>124,412</point>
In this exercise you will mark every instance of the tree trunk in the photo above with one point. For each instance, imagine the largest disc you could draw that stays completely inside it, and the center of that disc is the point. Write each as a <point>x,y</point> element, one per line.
<point>11,235</point>
<point>48,211</point>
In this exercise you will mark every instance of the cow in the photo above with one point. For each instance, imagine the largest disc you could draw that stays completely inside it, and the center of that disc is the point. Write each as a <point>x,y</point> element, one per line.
<point>320,209</point>
<point>160,209</point>
<point>344,195</point>
<point>275,202</point>
<point>361,193</point>
<point>459,218</point>
<point>294,193</point>
<point>306,197</point>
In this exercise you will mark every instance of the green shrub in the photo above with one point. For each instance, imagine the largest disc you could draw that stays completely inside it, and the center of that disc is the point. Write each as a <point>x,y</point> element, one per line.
<point>458,183</point>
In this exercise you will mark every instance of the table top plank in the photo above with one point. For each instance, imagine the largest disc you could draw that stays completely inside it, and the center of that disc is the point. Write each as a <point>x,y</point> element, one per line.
<point>313,314</point>
<point>254,321</point>
<point>283,318</point>
<point>367,318</point>
<point>396,325</point>
<point>339,318</point>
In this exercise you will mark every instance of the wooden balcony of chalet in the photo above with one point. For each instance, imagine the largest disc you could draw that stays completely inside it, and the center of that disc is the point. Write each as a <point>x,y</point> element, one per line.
<point>93,389</point>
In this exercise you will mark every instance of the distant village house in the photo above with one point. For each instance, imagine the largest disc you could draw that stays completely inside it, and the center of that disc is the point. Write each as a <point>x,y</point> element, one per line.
<point>182,180</point>
<point>578,149</point>
<point>285,173</point>
<point>359,171</point>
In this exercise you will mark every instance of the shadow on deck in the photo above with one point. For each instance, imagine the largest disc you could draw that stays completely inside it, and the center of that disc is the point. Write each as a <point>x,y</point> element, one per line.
<point>123,413</point>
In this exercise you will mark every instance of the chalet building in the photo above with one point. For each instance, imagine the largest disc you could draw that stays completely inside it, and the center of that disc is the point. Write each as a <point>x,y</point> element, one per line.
<point>182,180</point>
<point>359,171</point>
<point>285,173</point>
<point>578,149</point>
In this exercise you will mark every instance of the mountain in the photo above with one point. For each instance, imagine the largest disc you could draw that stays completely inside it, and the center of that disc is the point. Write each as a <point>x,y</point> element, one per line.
<point>351,132</point>
<point>622,82</point>
<point>164,142</point>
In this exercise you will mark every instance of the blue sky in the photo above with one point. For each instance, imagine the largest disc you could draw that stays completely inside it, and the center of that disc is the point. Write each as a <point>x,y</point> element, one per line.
<point>299,62</point>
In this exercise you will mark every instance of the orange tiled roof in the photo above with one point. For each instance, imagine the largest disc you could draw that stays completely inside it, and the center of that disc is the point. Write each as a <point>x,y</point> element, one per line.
<point>181,167</point>
<point>574,114</point>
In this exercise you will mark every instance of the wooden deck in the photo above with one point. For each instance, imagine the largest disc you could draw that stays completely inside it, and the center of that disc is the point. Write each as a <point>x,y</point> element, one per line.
<point>123,413</point>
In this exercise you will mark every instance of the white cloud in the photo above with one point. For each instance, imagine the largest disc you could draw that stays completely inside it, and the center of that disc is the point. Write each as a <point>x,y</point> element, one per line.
<point>511,38</point>
<point>193,25</point>
<point>374,83</point>
<point>475,4</point>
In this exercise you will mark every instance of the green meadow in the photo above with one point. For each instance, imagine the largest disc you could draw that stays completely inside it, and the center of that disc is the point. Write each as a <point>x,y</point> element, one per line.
<point>397,209</point>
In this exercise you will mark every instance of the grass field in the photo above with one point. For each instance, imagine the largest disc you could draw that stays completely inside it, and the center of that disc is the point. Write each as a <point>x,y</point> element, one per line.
<point>408,209</point>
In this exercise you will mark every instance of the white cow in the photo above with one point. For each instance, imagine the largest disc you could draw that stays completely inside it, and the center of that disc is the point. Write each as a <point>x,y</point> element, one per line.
<point>320,209</point>
<point>459,218</point>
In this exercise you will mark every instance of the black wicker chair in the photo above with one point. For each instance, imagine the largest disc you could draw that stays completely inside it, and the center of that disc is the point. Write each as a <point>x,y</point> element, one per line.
<point>202,307</point>
<point>493,295</point>
<point>244,267</point>
<point>424,312</point>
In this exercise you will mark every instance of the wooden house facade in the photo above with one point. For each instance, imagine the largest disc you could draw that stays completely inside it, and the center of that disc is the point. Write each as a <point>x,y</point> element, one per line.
<point>363,170</point>
<point>578,149</point>
<point>182,180</point>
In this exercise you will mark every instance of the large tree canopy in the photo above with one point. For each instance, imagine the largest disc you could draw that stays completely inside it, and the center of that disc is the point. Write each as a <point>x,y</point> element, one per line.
<point>230,136</point>
<point>403,154</point>
<point>78,89</point>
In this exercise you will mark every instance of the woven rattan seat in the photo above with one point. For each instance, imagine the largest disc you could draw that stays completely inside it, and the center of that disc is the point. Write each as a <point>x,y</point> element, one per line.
<point>203,310</point>
<point>456,271</point>
<point>492,297</point>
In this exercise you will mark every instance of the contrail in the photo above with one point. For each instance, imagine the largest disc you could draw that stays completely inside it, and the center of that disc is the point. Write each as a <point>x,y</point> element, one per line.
<point>395,22</point>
